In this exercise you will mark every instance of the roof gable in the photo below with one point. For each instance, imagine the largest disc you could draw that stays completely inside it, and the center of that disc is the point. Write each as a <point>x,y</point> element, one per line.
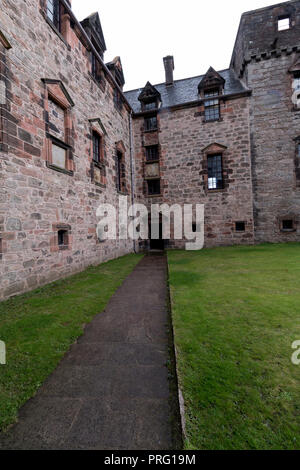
<point>211,79</point>
<point>149,92</point>
<point>93,24</point>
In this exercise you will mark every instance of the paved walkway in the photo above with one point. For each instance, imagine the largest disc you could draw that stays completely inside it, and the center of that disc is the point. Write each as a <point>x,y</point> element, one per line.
<point>111,390</point>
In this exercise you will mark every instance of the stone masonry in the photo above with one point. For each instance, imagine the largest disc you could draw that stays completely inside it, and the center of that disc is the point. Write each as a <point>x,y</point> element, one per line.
<point>70,139</point>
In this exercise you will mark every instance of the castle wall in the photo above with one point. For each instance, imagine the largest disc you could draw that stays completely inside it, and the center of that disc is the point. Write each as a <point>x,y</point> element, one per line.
<point>37,201</point>
<point>274,126</point>
<point>262,58</point>
<point>183,138</point>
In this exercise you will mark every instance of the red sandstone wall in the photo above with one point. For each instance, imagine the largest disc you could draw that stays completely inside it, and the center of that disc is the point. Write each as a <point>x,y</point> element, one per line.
<point>183,136</point>
<point>35,199</point>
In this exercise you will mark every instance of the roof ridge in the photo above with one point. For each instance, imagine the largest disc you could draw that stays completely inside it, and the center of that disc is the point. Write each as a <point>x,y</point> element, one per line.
<point>179,80</point>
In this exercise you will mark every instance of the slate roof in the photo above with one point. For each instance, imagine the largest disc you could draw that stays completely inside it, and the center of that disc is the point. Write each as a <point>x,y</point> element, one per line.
<point>185,91</point>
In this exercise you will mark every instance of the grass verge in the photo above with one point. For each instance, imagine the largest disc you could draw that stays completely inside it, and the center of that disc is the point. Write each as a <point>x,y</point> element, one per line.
<point>39,327</point>
<point>236,315</point>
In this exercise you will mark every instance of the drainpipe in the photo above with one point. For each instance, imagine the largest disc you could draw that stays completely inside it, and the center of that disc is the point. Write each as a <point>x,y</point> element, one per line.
<point>132,169</point>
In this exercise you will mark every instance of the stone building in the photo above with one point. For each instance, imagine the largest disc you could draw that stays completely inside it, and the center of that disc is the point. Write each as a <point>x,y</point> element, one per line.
<point>70,139</point>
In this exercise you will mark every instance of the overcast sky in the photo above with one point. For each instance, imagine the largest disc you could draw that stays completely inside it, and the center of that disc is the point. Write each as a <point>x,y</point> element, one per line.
<point>198,34</point>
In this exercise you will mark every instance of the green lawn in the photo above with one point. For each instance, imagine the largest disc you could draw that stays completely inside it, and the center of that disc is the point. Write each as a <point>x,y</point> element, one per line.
<point>39,327</point>
<point>236,313</point>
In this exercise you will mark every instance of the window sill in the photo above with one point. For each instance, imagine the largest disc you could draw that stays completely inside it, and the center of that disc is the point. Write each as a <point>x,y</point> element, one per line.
<point>152,196</point>
<point>59,170</point>
<point>100,185</point>
<point>288,231</point>
<point>54,28</point>
<point>213,191</point>
<point>151,130</point>
<point>151,161</point>
<point>212,120</point>
<point>63,248</point>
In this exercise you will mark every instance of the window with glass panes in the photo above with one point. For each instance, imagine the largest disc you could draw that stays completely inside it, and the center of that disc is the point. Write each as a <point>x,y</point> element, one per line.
<point>153,187</point>
<point>53,12</point>
<point>150,105</point>
<point>152,153</point>
<point>212,105</point>
<point>96,147</point>
<point>215,172</point>
<point>151,123</point>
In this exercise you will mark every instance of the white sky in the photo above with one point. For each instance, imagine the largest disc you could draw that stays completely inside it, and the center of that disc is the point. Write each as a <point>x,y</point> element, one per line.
<point>198,34</point>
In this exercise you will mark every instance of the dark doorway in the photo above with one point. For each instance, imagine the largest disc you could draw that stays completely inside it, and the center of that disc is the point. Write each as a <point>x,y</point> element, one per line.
<point>160,243</point>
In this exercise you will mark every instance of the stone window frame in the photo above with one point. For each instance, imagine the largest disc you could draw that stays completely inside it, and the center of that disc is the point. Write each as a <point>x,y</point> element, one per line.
<point>281,18</point>
<point>56,92</point>
<point>150,101</point>
<point>212,99</point>
<point>242,223</point>
<point>219,88</point>
<point>289,217</point>
<point>210,150</point>
<point>101,165</point>
<point>151,116</point>
<point>96,70</point>
<point>120,159</point>
<point>118,100</point>
<point>147,181</point>
<point>55,247</point>
<point>64,29</point>
<point>4,106</point>
<point>158,153</point>
<point>297,162</point>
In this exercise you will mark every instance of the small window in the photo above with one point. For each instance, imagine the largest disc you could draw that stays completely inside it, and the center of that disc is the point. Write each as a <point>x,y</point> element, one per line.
<point>152,153</point>
<point>121,174</point>
<point>153,187</point>
<point>53,13</point>
<point>118,99</point>
<point>212,106</point>
<point>240,226</point>
<point>1,248</point>
<point>151,123</point>
<point>149,106</point>
<point>288,225</point>
<point>94,65</point>
<point>284,23</point>
<point>63,238</point>
<point>215,172</point>
<point>298,151</point>
<point>96,147</point>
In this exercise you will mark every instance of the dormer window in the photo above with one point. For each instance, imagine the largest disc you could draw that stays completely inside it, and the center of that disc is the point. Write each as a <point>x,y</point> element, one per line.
<point>53,13</point>
<point>284,23</point>
<point>149,106</point>
<point>211,105</point>
<point>210,88</point>
<point>149,98</point>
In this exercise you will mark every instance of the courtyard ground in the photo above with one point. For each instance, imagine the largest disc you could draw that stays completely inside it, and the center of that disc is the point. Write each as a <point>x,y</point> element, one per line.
<point>39,327</point>
<point>236,313</point>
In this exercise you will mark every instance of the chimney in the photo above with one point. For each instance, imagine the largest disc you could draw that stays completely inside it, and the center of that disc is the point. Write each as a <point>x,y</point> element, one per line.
<point>169,67</point>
